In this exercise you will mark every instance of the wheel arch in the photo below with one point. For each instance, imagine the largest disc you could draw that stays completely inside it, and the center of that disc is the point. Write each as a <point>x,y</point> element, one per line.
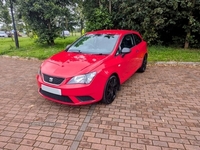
<point>119,82</point>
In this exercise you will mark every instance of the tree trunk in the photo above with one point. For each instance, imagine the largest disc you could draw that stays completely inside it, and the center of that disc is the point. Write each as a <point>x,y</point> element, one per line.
<point>188,34</point>
<point>81,27</point>
<point>110,7</point>
<point>52,41</point>
<point>186,46</point>
<point>99,3</point>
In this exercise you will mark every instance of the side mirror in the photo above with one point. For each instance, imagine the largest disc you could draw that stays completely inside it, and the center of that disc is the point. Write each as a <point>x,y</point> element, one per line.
<point>67,46</point>
<point>126,50</point>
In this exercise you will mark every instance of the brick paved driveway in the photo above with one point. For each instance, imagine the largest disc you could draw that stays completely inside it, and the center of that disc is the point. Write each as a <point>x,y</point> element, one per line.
<point>156,110</point>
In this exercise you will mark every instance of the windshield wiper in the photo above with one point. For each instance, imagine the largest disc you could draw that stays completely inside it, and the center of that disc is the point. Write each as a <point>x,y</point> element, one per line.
<point>75,50</point>
<point>101,54</point>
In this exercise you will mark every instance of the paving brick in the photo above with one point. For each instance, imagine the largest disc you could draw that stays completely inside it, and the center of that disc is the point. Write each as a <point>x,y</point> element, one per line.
<point>181,141</point>
<point>30,136</point>
<point>198,137</point>
<point>195,142</point>
<point>166,139</point>
<point>174,135</point>
<point>123,133</point>
<point>43,139</point>
<point>192,132</point>
<point>45,133</point>
<point>115,137</point>
<point>18,135</point>
<point>6,133</point>
<point>93,140</point>
<point>108,147</point>
<point>70,137</point>
<point>4,138</point>
<point>29,142</point>
<point>15,140</point>
<point>98,146</point>
<point>191,147</point>
<point>2,144</point>
<point>122,144</point>
<point>107,142</point>
<point>149,147</point>
<point>158,133</point>
<point>176,145</point>
<point>138,146</point>
<point>158,109</point>
<point>12,146</point>
<point>60,147</point>
<point>58,135</point>
<point>68,142</point>
<point>160,143</point>
<point>24,147</point>
<point>85,145</point>
<point>46,145</point>
<point>130,139</point>
<point>101,135</point>
<point>56,141</point>
<point>33,131</point>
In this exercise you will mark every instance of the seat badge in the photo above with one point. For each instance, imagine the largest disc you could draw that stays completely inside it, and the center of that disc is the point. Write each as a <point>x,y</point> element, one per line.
<point>50,79</point>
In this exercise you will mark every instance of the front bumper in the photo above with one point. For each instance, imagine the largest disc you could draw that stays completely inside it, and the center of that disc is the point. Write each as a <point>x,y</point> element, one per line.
<point>74,94</point>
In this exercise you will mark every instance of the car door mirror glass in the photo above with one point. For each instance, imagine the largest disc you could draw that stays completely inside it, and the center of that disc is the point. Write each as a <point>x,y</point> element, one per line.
<point>126,50</point>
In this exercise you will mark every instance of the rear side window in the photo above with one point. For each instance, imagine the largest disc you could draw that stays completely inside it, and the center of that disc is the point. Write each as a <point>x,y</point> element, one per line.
<point>138,40</point>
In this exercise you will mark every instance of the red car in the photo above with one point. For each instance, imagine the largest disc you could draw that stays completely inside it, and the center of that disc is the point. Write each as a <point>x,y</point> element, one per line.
<point>93,67</point>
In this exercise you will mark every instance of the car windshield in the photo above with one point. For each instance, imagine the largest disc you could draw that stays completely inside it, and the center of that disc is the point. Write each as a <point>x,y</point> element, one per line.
<point>2,32</point>
<point>95,44</point>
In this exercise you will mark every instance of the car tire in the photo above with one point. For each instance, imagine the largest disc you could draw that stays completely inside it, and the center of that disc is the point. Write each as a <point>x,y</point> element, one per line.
<point>110,90</point>
<point>144,64</point>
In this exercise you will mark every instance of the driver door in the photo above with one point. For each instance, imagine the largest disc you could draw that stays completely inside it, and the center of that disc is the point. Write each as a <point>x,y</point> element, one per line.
<point>128,61</point>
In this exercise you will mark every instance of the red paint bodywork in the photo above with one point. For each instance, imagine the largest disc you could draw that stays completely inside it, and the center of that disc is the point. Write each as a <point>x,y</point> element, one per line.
<point>69,64</point>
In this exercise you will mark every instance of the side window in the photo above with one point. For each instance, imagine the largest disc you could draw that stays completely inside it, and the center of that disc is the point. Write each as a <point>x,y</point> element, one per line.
<point>127,41</point>
<point>137,39</point>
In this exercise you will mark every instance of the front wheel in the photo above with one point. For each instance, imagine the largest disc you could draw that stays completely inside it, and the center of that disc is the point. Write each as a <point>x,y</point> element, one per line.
<point>110,90</point>
<point>144,65</point>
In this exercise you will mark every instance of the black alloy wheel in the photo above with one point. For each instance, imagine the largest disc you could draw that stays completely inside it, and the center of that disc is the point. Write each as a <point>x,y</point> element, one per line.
<point>110,90</point>
<point>144,65</point>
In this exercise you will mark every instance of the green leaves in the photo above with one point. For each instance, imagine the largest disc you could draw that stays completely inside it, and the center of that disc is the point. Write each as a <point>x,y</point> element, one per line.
<point>43,17</point>
<point>160,21</point>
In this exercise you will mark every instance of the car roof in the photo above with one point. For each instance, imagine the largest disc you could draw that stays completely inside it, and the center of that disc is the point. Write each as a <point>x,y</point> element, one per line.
<point>115,31</point>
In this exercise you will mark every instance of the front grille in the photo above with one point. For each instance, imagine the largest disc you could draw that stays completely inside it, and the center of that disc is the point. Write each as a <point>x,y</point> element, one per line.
<point>52,80</point>
<point>84,98</point>
<point>56,97</point>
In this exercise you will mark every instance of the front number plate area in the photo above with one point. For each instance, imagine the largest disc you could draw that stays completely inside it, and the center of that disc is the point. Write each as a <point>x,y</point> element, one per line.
<point>51,90</point>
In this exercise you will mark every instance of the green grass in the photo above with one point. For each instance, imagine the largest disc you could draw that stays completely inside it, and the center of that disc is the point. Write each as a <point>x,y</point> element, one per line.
<point>30,49</point>
<point>159,53</point>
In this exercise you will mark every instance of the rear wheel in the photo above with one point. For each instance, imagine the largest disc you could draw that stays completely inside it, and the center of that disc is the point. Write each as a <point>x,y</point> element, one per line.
<point>144,64</point>
<point>110,90</point>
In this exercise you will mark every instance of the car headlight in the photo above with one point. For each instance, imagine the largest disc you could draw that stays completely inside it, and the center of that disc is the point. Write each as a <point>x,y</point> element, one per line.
<point>82,79</point>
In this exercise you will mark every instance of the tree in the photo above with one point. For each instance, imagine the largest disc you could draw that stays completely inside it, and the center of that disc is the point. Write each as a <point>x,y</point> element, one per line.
<point>43,17</point>
<point>97,14</point>
<point>4,14</point>
<point>166,22</point>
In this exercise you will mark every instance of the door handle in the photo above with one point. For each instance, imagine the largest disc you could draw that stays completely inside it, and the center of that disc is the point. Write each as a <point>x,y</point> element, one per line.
<point>137,51</point>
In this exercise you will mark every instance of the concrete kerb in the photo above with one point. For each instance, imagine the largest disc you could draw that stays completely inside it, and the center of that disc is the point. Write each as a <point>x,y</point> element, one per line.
<point>159,63</point>
<point>174,63</point>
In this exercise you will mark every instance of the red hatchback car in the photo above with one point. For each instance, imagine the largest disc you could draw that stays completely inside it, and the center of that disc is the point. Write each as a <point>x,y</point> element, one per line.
<point>93,67</point>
